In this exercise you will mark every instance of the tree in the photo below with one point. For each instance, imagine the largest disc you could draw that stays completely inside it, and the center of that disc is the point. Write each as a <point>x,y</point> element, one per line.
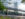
<point>1,6</point>
<point>23,1</point>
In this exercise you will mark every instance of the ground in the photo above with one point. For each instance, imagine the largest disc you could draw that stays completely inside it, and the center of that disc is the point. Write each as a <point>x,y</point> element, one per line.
<point>4,17</point>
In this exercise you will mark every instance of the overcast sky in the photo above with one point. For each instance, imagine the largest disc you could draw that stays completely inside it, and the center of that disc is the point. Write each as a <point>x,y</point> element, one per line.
<point>19,4</point>
<point>7,5</point>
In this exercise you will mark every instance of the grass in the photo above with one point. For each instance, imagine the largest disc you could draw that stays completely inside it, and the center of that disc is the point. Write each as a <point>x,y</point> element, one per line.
<point>1,17</point>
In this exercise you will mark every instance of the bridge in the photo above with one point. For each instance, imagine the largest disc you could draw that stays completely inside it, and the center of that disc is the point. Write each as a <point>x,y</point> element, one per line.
<point>16,9</point>
<point>12,8</point>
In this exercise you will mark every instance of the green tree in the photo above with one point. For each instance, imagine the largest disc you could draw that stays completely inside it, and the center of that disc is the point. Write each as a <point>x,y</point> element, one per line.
<point>1,6</point>
<point>23,1</point>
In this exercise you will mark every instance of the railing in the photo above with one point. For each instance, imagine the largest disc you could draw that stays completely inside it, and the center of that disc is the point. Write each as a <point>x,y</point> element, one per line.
<point>21,10</point>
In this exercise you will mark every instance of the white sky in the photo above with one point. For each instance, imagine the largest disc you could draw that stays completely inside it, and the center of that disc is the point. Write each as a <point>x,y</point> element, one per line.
<point>7,5</point>
<point>19,4</point>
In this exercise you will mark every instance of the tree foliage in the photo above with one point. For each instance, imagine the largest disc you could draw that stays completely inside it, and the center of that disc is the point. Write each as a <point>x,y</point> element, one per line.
<point>23,1</point>
<point>1,6</point>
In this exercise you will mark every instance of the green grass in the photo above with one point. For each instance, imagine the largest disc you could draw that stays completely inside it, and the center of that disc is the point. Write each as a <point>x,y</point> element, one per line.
<point>1,17</point>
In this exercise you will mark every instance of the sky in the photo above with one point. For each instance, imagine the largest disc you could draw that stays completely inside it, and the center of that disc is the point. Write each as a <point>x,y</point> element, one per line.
<point>19,4</point>
<point>12,5</point>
